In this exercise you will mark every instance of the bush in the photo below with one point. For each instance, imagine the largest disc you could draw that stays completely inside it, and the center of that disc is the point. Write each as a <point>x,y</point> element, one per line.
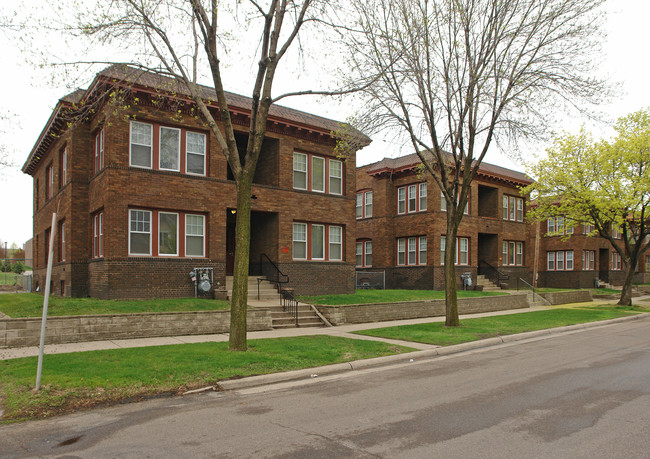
<point>5,266</point>
<point>18,267</point>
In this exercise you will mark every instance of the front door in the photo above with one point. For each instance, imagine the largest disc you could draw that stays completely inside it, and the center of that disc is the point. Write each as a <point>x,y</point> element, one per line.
<point>603,265</point>
<point>230,244</point>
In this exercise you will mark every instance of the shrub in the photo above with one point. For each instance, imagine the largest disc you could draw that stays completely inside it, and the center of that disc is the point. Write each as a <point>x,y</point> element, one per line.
<point>18,267</point>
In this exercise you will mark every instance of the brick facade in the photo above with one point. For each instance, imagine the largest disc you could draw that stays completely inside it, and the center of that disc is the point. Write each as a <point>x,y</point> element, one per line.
<point>117,187</point>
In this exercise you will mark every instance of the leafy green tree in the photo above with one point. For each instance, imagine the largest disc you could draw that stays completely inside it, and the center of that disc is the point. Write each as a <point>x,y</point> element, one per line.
<point>18,267</point>
<point>605,183</point>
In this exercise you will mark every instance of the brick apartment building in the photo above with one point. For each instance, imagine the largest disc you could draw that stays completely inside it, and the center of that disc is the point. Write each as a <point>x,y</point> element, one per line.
<point>144,195</point>
<point>401,225</point>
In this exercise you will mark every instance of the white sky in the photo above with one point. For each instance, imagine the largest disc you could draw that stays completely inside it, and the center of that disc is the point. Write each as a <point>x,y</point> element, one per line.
<point>28,101</point>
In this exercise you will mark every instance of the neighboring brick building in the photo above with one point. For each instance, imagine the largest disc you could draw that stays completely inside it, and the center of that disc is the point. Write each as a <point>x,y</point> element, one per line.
<point>144,195</point>
<point>401,226</point>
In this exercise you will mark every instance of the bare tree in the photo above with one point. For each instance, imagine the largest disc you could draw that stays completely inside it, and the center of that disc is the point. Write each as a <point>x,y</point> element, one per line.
<point>185,39</point>
<point>454,75</point>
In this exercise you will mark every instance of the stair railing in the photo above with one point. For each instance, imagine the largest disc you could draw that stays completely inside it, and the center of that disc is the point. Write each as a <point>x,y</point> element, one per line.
<point>491,272</point>
<point>526,286</point>
<point>270,271</point>
<point>289,303</point>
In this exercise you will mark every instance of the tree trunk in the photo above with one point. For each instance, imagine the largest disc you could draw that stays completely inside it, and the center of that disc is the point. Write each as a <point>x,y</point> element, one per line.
<point>239,300</point>
<point>626,293</point>
<point>451,298</point>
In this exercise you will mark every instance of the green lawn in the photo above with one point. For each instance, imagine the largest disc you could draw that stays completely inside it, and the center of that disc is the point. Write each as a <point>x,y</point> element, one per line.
<point>87,379</point>
<point>487,327</point>
<point>594,291</point>
<point>388,296</point>
<point>31,305</point>
<point>9,278</point>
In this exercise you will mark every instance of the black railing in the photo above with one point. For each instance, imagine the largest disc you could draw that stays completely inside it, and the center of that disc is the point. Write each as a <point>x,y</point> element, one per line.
<point>522,284</point>
<point>289,303</point>
<point>491,272</point>
<point>270,271</point>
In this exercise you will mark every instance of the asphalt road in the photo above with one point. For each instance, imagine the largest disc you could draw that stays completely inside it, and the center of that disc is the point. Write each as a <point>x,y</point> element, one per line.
<point>585,394</point>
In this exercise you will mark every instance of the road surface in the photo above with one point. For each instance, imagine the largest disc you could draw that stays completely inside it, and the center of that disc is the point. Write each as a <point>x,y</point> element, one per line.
<point>578,395</point>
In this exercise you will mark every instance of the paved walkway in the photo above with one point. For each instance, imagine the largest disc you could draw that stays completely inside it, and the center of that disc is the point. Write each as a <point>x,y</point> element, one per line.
<point>342,331</point>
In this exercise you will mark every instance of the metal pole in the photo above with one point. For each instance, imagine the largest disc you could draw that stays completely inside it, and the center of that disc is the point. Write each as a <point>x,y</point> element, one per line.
<point>46,299</point>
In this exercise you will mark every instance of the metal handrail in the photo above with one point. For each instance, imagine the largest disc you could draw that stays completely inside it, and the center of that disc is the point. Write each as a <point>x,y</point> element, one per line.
<point>289,304</point>
<point>499,275</point>
<point>277,281</point>
<point>525,283</point>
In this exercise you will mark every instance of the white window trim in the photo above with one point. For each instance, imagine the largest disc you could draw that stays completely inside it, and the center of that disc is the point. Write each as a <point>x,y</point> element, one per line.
<point>401,190</point>
<point>340,243</point>
<point>312,241</point>
<point>187,152</point>
<point>178,156</point>
<point>160,213</point>
<point>403,242</point>
<point>340,177</point>
<point>422,193</point>
<point>294,240</point>
<point>141,232</point>
<point>320,158</point>
<point>195,235</point>
<point>367,194</point>
<point>306,171</point>
<point>131,143</point>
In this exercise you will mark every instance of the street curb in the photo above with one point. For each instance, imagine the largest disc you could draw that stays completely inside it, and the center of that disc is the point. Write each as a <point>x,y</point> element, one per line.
<point>356,365</point>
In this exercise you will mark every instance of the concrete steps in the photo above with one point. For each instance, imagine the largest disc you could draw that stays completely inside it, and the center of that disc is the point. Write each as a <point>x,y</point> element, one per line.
<point>487,284</point>
<point>306,317</point>
<point>266,292</point>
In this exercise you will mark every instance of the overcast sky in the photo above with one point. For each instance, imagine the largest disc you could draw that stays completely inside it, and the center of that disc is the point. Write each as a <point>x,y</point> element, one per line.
<point>28,100</point>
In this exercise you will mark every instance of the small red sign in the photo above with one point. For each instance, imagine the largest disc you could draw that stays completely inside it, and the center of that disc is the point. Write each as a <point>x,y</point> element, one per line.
<point>285,249</point>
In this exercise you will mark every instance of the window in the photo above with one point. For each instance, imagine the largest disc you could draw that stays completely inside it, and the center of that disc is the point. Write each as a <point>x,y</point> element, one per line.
<point>647,263</point>
<point>412,251</point>
<point>616,232</point>
<point>300,241</point>
<point>364,254</point>
<point>616,262</point>
<point>98,235</point>
<point>336,177</point>
<point>63,177</point>
<point>194,235</point>
<point>317,173</point>
<point>49,189</point>
<point>168,229</point>
<point>461,257</point>
<point>195,148</point>
<point>335,243</point>
<point>141,152</point>
<point>513,208</point>
<point>36,190</point>
<point>423,196</point>
<point>99,151</point>
<point>559,260</point>
<point>550,225</point>
<point>417,198</point>
<point>300,171</point>
<point>559,225</point>
<point>140,232</point>
<point>589,228</point>
<point>61,241</point>
<point>443,204</point>
<point>170,149</point>
<point>401,200</point>
<point>48,232</point>
<point>364,204</point>
<point>312,241</point>
<point>588,257</point>
<point>513,253</point>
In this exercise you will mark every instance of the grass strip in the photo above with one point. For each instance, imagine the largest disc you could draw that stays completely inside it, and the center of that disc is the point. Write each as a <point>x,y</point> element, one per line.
<point>31,305</point>
<point>88,379</point>
<point>389,296</point>
<point>487,327</point>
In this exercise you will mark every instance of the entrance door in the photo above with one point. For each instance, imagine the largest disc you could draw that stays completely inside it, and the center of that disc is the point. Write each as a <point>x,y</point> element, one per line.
<point>603,265</point>
<point>230,244</point>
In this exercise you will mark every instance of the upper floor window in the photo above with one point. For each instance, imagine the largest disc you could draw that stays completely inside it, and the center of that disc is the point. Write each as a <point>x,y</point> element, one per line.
<point>412,251</point>
<point>589,228</point>
<point>412,198</point>
<point>49,189</point>
<point>63,177</point>
<point>443,204</point>
<point>98,162</point>
<point>171,153</point>
<point>315,241</point>
<point>558,226</point>
<point>513,208</point>
<point>317,173</point>
<point>513,253</point>
<point>364,204</point>
<point>461,257</point>
<point>616,232</point>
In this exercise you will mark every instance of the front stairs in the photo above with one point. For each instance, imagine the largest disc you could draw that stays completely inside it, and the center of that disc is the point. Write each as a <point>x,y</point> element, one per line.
<point>487,284</point>
<point>269,297</point>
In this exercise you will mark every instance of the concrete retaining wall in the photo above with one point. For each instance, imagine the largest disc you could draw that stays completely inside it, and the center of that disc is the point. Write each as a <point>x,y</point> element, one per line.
<point>379,312</point>
<point>575,296</point>
<point>72,329</point>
